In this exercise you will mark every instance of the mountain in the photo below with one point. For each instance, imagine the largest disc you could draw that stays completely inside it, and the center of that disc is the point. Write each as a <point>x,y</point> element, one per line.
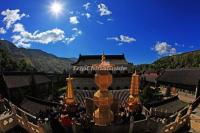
<point>184,60</point>
<point>32,59</point>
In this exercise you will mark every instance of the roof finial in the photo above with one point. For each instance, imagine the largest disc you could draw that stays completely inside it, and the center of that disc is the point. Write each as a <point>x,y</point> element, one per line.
<point>135,73</point>
<point>69,96</point>
<point>103,57</point>
<point>69,77</point>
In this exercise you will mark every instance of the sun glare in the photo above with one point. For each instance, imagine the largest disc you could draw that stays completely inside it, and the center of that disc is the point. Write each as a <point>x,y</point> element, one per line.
<point>56,8</point>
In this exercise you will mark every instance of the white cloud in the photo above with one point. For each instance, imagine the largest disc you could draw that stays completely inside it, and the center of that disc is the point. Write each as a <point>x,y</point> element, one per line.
<point>126,39</point>
<point>122,39</point>
<point>109,19</point>
<point>99,22</point>
<point>19,41</point>
<point>68,40</point>
<point>11,16</point>
<point>103,9</point>
<point>163,48</point>
<point>88,15</point>
<point>86,5</point>
<point>46,37</point>
<point>76,33</point>
<point>16,38</point>
<point>18,27</point>
<point>73,20</point>
<point>2,30</point>
<point>24,38</point>
<point>71,12</point>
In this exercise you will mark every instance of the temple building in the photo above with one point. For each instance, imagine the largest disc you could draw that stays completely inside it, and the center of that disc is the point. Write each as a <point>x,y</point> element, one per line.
<point>16,85</point>
<point>185,81</point>
<point>182,82</point>
<point>84,72</point>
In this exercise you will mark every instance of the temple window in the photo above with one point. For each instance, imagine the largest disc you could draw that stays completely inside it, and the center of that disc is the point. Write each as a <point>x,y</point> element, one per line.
<point>117,71</point>
<point>85,72</point>
<point>93,72</point>
<point>110,88</point>
<point>85,88</point>
<point>125,71</point>
<point>118,88</point>
<point>78,72</point>
<point>78,88</point>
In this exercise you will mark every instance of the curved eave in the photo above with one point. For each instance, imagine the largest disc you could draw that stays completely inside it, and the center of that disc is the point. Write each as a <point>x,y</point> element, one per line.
<point>81,57</point>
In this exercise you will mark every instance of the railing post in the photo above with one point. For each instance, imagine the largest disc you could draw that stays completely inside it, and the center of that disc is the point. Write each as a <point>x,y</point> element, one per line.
<point>189,111</point>
<point>40,127</point>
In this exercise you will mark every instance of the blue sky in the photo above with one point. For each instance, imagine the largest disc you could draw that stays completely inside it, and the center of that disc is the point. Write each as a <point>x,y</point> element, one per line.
<point>144,30</point>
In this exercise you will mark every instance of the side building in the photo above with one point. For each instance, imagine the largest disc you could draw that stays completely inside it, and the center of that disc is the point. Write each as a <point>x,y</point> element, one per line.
<point>184,81</point>
<point>83,72</point>
<point>16,85</point>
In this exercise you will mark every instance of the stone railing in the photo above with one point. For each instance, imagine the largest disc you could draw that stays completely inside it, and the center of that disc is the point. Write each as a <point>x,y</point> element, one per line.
<point>182,118</point>
<point>146,111</point>
<point>178,124</point>
<point>195,104</point>
<point>17,116</point>
<point>182,121</point>
<point>159,113</point>
<point>7,122</point>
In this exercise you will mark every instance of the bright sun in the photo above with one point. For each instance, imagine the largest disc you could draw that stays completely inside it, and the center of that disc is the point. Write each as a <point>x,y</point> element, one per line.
<point>56,8</point>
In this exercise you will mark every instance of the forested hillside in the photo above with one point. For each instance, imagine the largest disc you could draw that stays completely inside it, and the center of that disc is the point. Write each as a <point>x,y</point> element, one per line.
<point>20,59</point>
<point>184,60</point>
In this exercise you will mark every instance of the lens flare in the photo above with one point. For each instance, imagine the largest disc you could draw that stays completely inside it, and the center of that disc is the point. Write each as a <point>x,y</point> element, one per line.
<point>56,8</point>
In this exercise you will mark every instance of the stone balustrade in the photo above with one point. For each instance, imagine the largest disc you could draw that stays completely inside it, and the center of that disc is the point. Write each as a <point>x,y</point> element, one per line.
<point>7,122</point>
<point>181,121</point>
<point>19,117</point>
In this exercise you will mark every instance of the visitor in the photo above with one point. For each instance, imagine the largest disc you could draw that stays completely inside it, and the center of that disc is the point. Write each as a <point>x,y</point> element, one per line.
<point>74,125</point>
<point>86,124</point>
<point>47,126</point>
<point>131,124</point>
<point>56,126</point>
<point>66,122</point>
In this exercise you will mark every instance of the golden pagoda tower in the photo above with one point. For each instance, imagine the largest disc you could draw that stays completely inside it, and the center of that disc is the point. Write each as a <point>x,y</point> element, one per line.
<point>103,99</point>
<point>133,99</point>
<point>69,97</point>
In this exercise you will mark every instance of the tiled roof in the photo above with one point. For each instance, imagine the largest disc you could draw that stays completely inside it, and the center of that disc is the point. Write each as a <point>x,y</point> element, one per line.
<point>19,80</point>
<point>94,59</point>
<point>32,107</point>
<point>150,77</point>
<point>188,77</point>
<point>173,106</point>
<point>14,81</point>
<point>39,79</point>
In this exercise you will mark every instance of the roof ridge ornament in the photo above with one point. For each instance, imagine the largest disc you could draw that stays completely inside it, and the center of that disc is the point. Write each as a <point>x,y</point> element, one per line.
<point>69,77</point>
<point>135,73</point>
<point>103,57</point>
